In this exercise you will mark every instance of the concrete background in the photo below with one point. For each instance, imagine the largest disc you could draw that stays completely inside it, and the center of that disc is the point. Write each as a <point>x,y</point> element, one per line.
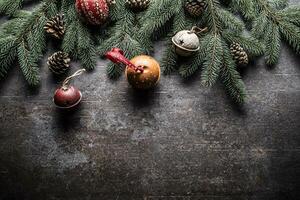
<point>180,141</point>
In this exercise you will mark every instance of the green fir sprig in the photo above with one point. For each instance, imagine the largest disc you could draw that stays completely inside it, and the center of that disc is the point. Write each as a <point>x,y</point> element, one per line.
<point>213,58</point>
<point>278,24</point>
<point>78,41</point>
<point>272,22</point>
<point>23,40</point>
<point>122,35</point>
<point>8,7</point>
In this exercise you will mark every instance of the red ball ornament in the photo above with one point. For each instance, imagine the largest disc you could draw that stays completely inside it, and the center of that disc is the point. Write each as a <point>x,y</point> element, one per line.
<point>68,96</point>
<point>94,12</point>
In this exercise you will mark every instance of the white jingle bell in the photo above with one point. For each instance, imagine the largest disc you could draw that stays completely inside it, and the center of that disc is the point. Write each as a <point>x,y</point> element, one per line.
<point>187,42</point>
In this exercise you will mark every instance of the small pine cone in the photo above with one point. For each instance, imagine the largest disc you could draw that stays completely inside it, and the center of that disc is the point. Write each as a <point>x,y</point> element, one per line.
<point>111,2</point>
<point>195,7</point>
<point>59,63</point>
<point>138,4</point>
<point>239,54</point>
<point>55,26</point>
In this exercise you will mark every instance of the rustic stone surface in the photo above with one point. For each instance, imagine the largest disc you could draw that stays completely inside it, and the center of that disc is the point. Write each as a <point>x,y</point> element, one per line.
<point>180,141</point>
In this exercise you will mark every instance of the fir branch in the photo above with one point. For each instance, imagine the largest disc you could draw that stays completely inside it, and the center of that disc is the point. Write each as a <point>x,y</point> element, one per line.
<point>28,43</point>
<point>78,41</point>
<point>278,4</point>
<point>272,39</point>
<point>222,27</point>
<point>169,60</point>
<point>245,7</point>
<point>157,15</point>
<point>213,60</point>
<point>260,27</point>
<point>86,48</point>
<point>124,36</point>
<point>250,44</point>
<point>229,21</point>
<point>231,78</point>
<point>113,70</point>
<point>189,68</point>
<point>8,52</point>
<point>9,7</point>
<point>27,64</point>
<point>291,34</point>
<point>291,14</point>
<point>275,23</point>
<point>159,12</point>
<point>211,18</point>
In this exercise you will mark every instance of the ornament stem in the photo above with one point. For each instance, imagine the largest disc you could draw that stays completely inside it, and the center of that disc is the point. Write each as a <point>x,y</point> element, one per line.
<point>197,30</point>
<point>116,55</point>
<point>67,80</point>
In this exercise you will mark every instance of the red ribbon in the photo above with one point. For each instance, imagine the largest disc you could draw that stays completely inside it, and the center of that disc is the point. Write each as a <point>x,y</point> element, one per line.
<point>116,55</point>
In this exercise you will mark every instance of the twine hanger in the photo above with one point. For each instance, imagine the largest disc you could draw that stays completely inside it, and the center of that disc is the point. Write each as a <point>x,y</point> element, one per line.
<point>67,80</point>
<point>197,30</point>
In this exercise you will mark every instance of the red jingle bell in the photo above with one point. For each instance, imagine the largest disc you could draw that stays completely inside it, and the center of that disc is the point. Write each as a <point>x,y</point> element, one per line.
<point>68,96</point>
<point>95,12</point>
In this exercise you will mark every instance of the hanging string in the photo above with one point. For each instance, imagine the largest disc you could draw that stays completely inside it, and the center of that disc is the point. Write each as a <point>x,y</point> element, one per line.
<point>197,30</point>
<point>67,80</point>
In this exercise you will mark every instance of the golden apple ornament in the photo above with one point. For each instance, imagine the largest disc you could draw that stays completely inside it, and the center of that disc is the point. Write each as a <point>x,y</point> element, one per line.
<point>142,72</point>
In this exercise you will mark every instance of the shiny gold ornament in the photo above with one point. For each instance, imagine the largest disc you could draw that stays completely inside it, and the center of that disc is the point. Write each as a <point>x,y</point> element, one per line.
<point>148,78</point>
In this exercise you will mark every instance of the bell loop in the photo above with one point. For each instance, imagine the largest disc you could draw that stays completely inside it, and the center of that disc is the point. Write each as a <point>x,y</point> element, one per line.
<point>197,30</point>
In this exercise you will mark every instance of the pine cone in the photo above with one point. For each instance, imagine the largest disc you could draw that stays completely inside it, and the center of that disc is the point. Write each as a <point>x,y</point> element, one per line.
<point>195,7</point>
<point>111,2</point>
<point>55,26</point>
<point>59,63</point>
<point>138,4</point>
<point>239,54</point>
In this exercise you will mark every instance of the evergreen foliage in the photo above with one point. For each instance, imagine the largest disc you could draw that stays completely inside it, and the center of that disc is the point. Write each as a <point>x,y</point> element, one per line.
<point>23,39</point>
<point>8,7</point>
<point>213,58</point>
<point>78,41</point>
<point>123,35</point>
<point>272,21</point>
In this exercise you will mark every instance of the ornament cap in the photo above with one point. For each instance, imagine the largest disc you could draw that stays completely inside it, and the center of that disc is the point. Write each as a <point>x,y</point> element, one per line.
<point>116,55</point>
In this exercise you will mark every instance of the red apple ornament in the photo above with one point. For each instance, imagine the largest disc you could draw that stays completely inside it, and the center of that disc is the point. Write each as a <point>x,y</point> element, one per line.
<point>68,96</point>
<point>142,72</point>
<point>95,12</point>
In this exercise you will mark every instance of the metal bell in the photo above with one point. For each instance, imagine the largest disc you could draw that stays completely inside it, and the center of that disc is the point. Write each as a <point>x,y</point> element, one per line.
<point>186,42</point>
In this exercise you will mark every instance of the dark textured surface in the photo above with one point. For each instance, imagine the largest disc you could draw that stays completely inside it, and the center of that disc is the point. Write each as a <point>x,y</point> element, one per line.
<point>180,141</point>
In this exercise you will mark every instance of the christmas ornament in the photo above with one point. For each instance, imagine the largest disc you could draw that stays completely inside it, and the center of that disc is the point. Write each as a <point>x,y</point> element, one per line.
<point>94,12</point>
<point>111,2</point>
<point>239,54</point>
<point>138,4</point>
<point>142,72</point>
<point>59,63</point>
<point>195,7</point>
<point>55,26</point>
<point>187,42</point>
<point>68,96</point>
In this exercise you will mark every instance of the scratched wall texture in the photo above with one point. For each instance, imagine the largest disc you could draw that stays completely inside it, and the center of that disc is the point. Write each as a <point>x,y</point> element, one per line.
<point>180,141</point>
